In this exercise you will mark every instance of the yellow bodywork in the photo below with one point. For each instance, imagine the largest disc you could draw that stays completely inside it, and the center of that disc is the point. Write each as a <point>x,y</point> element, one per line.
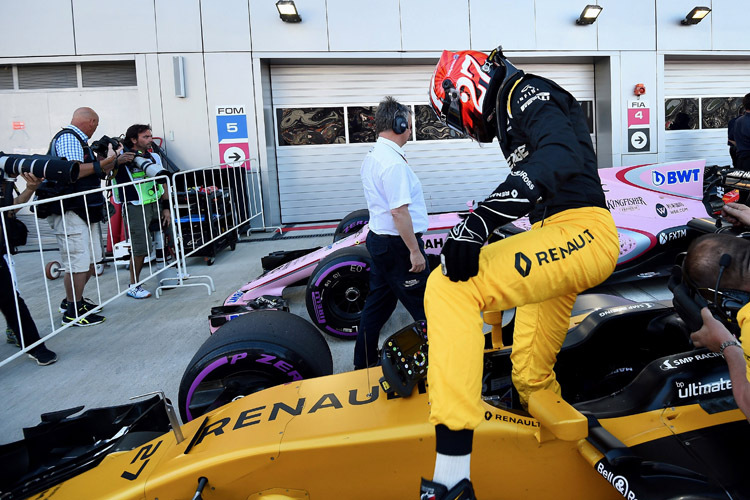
<point>341,437</point>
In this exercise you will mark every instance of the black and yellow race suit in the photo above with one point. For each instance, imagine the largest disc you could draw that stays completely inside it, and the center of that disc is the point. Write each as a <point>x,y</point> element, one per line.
<point>572,246</point>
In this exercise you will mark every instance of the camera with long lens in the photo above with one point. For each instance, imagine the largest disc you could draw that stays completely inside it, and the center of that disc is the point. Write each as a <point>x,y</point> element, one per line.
<point>101,146</point>
<point>47,167</point>
<point>150,167</point>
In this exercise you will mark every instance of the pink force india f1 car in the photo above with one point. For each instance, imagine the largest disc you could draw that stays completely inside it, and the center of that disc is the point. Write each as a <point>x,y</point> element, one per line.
<point>651,205</point>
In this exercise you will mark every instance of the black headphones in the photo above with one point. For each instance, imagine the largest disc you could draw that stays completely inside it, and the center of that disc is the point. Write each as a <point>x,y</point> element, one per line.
<point>400,123</point>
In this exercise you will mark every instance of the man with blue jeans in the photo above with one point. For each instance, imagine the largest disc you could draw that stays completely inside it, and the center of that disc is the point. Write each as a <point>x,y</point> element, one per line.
<point>398,216</point>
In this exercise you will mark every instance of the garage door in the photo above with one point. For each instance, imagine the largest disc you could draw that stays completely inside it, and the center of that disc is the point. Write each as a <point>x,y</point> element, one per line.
<point>321,117</point>
<point>705,95</point>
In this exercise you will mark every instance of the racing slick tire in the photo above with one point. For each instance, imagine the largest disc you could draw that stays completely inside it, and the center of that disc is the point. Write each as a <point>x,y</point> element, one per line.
<point>250,353</point>
<point>351,223</point>
<point>337,289</point>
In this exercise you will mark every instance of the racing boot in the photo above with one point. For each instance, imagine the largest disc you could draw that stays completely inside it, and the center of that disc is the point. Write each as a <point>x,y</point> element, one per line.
<point>435,491</point>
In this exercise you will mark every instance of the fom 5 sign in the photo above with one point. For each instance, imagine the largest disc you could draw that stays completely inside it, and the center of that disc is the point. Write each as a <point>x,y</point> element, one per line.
<point>231,129</point>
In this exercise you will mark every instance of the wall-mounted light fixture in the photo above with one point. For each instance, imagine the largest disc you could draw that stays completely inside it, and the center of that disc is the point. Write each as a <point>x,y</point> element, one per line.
<point>589,15</point>
<point>695,16</point>
<point>178,69</point>
<point>288,11</point>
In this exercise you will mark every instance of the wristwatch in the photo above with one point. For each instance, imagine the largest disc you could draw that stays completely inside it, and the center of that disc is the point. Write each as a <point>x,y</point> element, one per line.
<point>728,343</point>
<point>98,170</point>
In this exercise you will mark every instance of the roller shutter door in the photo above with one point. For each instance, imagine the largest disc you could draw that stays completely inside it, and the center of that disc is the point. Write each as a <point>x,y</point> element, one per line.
<point>710,92</point>
<point>320,182</point>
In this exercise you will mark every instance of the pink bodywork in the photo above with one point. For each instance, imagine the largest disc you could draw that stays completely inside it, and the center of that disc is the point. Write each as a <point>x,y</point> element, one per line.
<point>645,201</point>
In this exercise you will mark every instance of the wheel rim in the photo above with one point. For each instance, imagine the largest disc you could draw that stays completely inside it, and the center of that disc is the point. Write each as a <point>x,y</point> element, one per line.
<point>214,392</point>
<point>348,299</point>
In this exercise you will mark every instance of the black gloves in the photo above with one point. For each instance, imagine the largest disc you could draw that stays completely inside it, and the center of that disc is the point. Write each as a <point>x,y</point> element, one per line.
<point>459,259</point>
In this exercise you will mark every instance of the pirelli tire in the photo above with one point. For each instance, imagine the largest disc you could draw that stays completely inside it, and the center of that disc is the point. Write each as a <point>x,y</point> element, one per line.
<point>337,289</point>
<point>351,223</point>
<point>252,352</point>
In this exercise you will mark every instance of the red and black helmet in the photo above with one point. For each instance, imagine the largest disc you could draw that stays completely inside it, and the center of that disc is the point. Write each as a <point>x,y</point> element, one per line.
<point>463,90</point>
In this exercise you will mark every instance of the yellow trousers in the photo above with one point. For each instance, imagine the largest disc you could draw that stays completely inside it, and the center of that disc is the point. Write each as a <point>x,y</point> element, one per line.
<point>540,273</point>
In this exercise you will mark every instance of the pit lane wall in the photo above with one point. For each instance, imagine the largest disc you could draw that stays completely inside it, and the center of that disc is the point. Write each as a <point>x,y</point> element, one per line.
<point>208,207</point>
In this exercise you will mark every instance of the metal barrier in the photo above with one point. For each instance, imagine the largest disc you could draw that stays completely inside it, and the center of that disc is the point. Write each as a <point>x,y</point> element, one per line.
<point>211,205</point>
<point>207,207</point>
<point>105,290</point>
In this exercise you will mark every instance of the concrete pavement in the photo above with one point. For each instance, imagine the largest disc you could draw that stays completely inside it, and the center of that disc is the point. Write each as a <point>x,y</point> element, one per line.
<point>144,345</point>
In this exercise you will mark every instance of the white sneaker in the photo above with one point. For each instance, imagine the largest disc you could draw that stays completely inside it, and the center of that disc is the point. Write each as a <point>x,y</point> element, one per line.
<point>138,292</point>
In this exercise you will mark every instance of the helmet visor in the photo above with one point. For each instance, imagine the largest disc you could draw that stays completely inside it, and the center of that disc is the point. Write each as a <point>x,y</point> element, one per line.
<point>450,113</point>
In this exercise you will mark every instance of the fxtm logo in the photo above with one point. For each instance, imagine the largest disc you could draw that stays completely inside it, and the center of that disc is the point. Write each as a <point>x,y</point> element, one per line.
<point>674,177</point>
<point>666,237</point>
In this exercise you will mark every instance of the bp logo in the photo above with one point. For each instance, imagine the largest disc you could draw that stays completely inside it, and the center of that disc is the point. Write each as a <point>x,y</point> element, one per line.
<point>523,264</point>
<point>661,210</point>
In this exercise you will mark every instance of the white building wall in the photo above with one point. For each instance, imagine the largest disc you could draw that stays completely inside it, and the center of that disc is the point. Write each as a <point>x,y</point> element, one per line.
<point>628,45</point>
<point>108,28</point>
<point>226,26</point>
<point>54,19</point>
<point>381,32</point>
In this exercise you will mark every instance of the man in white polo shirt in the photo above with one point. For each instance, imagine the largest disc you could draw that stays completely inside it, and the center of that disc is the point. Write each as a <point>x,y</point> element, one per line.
<point>398,217</point>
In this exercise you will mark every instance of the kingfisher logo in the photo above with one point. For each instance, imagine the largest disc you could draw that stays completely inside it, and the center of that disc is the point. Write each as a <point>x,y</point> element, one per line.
<point>674,177</point>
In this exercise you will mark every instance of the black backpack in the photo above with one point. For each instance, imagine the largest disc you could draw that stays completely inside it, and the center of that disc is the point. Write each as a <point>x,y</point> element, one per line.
<point>50,189</point>
<point>17,231</point>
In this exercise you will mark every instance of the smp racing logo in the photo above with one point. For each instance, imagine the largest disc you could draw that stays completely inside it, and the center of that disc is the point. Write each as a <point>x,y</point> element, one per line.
<point>674,177</point>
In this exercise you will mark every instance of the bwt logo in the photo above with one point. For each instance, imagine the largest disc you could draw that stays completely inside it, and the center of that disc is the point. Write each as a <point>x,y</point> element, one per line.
<point>674,177</point>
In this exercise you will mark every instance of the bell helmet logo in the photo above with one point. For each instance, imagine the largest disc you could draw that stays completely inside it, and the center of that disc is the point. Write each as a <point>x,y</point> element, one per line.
<point>661,210</point>
<point>523,264</point>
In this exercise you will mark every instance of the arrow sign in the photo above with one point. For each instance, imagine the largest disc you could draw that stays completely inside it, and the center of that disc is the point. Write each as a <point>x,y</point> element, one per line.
<point>234,155</point>
<point>638,140</point>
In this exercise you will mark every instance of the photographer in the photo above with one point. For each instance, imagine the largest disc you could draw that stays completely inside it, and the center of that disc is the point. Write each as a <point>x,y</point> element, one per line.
<point>141,201</point>
<point>77,228</point>
<point>9,295</point>
<point>706,270</point>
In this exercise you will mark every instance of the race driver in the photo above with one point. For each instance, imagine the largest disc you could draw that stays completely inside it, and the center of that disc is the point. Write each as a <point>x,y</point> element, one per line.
<point>572,245</point>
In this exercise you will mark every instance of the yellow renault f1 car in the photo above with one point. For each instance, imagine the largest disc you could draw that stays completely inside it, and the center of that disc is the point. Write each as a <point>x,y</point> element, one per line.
<point>642,416</point>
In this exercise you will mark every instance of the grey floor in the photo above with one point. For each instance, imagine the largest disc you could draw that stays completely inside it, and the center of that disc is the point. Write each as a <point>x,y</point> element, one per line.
<point>145,345</point>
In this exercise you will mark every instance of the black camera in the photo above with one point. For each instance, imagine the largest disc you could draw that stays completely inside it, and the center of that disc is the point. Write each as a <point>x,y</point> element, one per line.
<point>101,148</point>
<point>47,167</point>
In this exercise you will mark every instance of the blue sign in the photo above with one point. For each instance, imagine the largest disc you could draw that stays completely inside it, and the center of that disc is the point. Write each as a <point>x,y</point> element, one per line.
<point>231,127</point>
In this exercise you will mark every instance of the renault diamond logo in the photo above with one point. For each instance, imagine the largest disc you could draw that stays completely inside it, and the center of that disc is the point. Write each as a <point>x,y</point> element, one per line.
<point>523,264</point>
